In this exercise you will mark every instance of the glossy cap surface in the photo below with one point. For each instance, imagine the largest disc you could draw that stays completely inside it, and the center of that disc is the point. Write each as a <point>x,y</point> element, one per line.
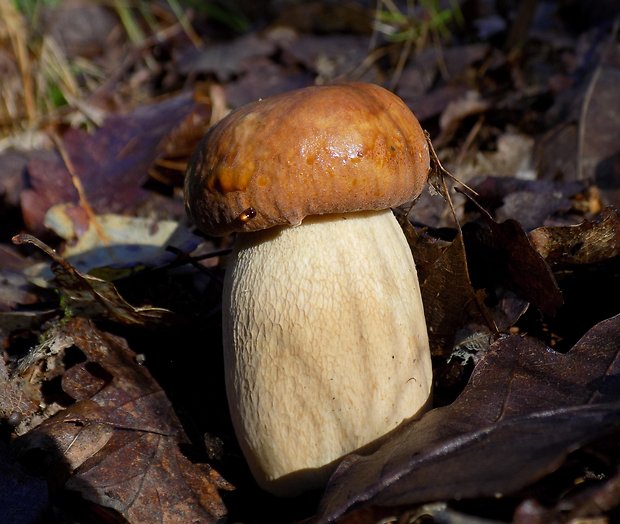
<point>314,151</point>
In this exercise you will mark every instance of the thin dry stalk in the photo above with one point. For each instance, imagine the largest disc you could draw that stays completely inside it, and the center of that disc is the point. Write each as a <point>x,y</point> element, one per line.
<point>54,70</point>
<point>77,183</point>
<point>13,29</point>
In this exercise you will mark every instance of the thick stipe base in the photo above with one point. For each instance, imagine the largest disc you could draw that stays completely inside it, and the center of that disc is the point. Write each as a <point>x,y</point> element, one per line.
<point>325,344</point>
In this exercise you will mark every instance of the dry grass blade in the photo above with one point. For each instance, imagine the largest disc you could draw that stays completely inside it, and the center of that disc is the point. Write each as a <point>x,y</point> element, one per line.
<point>39,78</point>
<point>54,74</point>
<point>17,92</point>
<point>185,23</point>
<point>412,27</point>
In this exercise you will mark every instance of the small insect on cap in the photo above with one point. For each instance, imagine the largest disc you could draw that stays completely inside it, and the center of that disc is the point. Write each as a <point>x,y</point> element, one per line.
<point>314,151</point>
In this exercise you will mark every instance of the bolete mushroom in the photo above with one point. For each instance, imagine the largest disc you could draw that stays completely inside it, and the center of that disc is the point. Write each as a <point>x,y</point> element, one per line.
<point>325,343</point>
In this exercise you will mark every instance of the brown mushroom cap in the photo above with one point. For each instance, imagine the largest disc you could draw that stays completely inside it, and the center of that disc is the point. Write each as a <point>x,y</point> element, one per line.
<point>313,151</point>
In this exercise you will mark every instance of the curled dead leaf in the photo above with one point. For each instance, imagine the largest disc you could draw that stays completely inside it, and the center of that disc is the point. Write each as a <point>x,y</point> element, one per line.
<point>94,297</point>
<point>590,242</point>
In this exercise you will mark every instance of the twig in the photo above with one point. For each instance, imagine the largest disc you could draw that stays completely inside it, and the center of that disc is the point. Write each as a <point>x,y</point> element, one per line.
<point>441,172</point>
<point>437,167</point>
<point>185,258</point>
<point>469,139</point>
<point>402,61</point>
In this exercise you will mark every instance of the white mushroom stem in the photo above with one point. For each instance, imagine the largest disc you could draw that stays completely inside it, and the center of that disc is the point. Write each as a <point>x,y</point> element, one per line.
<point>325,343</point>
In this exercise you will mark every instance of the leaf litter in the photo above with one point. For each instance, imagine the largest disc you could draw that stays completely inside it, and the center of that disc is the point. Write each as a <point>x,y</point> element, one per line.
<point>120,440</point>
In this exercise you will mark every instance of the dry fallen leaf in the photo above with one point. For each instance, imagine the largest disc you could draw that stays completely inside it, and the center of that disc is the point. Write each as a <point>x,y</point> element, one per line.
<point>587,243</point>
<point>525,408</point>
<point>119,444</point>
<point>330,57</point>
<point>111,164</point>
<point>449,299</point>
<point>177,146</point>
<point>529,202</point>
<point>502,254</point>
<point>228,59</point>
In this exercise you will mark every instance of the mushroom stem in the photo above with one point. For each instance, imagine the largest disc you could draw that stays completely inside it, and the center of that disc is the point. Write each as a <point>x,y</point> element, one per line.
<point>325,343</point>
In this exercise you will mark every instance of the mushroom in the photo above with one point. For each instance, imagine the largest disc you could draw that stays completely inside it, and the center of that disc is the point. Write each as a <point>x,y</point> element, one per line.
<point>325,343</point>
